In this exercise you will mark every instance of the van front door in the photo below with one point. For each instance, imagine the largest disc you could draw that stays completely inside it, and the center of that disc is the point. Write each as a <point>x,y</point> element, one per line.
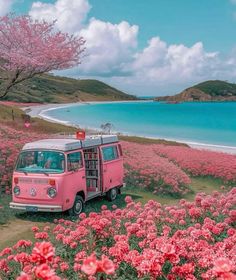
<point>75,181</point>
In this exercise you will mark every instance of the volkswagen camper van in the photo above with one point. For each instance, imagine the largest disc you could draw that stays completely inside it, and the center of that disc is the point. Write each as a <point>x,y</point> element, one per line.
<point>55,175</point>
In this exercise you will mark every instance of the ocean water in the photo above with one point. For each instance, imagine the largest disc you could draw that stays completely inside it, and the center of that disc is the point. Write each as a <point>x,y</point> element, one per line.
<point>197,122</point>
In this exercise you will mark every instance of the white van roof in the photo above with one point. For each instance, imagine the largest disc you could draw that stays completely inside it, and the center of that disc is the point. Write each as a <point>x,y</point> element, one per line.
<point>69,144</point>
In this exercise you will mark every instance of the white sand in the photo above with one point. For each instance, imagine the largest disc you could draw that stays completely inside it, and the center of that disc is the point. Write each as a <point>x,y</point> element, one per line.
<point>39,111</point>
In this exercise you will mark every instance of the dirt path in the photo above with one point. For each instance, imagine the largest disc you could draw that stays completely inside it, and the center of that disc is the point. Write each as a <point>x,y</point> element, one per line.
<point>15,230</point>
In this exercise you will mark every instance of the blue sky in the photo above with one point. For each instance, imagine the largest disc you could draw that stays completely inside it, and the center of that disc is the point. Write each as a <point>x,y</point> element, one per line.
<point>150,47</point>
<point>175,21</point>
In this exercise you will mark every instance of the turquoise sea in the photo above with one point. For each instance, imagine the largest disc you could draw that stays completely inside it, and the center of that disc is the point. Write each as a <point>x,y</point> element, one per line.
<point>197,122</point>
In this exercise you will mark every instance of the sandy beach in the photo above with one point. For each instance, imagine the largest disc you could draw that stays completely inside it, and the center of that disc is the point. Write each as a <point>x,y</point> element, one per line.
<point>39,111</point>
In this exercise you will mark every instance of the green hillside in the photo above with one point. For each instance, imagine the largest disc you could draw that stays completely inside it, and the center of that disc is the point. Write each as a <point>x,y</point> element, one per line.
<point>207,91</point>
<point>54,89</point>
<point>217,88</point>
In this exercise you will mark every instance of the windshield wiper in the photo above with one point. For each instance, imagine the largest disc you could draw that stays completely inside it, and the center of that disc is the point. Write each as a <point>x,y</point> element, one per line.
<point>40,171</point>
<point>22,171</point>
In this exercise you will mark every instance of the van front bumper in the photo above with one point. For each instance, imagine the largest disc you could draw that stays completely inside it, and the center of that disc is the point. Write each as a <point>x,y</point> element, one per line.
<point>35,207</point>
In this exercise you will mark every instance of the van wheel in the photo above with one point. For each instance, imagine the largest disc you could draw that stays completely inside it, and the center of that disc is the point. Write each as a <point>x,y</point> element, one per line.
<point>112,194</point>
<point>78,206</point>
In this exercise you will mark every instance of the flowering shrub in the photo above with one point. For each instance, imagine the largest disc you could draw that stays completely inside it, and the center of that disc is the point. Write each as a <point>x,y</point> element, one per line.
<point>145,168</point>
<point>147,159</point>
<point>199,162</point>
<point>191,240</point>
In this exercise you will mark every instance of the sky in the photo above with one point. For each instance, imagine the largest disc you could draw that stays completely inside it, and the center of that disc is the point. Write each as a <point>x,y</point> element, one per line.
<point>151,47</point>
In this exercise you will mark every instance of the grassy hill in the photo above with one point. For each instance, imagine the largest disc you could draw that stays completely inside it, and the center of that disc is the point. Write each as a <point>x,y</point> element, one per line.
<point>207,91</point>
<point>54,89</point>
<point>217,88</point>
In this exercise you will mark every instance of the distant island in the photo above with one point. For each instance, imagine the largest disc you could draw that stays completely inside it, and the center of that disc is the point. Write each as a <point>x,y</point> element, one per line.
<point>48,88</point>
<point>207,91</point>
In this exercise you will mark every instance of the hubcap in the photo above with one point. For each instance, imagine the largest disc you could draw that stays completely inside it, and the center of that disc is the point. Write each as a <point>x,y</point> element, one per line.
<point>113,193</point>
<point>78,207</point>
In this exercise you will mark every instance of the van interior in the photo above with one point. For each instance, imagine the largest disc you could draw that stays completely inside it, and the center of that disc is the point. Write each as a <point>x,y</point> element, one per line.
<point>92,171</point>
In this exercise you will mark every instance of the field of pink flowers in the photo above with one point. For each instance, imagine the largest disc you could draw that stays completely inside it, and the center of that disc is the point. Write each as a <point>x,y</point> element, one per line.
<point>200,162</point>
<point>163,169</point>
<point>145,168</point>
<point>191,240</point>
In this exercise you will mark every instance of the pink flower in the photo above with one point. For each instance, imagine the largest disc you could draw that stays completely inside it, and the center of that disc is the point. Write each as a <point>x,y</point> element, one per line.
<point>42,252</point>
<point>128,199</point>
<point>35,229</point>
<point>64,266</point>
<point>222,265</point>
<point>106,265</point>
<point>24,276</point>
<point>90,265</point>
<point>45,272</point>
<point>6,251</point>
<point>104,207</point>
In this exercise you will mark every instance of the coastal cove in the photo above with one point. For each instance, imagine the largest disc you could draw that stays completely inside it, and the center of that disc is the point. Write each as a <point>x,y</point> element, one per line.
<point>210,125</point>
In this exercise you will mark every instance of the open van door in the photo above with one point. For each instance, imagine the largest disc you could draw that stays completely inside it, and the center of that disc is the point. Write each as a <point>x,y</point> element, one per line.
<point>112,167</point>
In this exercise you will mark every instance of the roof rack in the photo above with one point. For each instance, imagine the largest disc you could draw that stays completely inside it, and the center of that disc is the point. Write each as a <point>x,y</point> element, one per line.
<point>69,144</point>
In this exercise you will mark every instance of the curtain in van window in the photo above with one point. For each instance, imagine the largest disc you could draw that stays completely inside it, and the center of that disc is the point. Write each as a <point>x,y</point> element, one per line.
<point>109,153</point>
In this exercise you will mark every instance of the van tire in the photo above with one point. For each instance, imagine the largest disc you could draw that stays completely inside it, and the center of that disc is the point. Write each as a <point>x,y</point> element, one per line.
<point>112,194</point>
<point>77,207</point>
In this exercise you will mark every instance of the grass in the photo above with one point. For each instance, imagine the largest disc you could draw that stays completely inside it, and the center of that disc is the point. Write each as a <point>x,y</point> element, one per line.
<point>6,213</point>
<point>199,184</point>
<point>24,233</point>
<point>37,124</point>
<point>17,224</point>
<point>143,140</point>
<point>47,88</point>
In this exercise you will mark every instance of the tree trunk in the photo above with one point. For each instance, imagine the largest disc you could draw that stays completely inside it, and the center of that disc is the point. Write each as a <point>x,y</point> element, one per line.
<point>11,83</point>
<point>12,114</point>
<point>2,95</point>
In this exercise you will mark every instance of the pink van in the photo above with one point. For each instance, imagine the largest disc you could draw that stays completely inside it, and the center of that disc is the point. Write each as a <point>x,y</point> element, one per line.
<point>55,175</point>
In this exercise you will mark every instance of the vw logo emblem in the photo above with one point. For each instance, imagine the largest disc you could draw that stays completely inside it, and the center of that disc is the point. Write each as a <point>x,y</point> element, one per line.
<point>33,192</point>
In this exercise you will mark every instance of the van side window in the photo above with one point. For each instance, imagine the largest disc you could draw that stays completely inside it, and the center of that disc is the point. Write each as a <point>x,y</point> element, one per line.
<point>74,161</point>
<point>109,153</point>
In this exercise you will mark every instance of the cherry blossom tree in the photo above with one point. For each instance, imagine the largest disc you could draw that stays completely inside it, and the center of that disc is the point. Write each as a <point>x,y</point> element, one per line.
<point>29,48</point>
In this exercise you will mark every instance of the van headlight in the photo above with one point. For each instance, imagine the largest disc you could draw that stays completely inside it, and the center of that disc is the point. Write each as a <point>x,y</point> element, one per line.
<point>52,192</point>
<point>16,190</point>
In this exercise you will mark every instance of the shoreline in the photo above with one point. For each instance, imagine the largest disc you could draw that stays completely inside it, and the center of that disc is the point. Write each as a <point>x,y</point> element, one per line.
<point>40,110</point>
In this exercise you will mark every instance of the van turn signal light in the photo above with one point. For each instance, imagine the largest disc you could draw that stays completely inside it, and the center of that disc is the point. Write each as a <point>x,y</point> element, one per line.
<point>16,180</point>
<point>52,182</point>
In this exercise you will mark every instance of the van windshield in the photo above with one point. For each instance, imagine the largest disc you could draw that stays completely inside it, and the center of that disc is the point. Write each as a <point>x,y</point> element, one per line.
<point>41,162</point>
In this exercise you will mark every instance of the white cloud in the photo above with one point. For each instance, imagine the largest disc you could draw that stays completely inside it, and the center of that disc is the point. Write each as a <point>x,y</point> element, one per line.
<point>167,69</point>
<point>160,62</point>
<point>112,54</point>
<point>70,14</point>
<point>5,6</point>
<point>108,45</point>
<point>158,69</point>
